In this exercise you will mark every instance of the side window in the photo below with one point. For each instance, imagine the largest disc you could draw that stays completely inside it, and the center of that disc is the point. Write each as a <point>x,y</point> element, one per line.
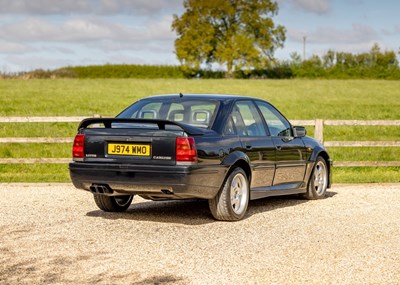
<point>229,129</point>
<point>277,124</point>
<point>247,120</point>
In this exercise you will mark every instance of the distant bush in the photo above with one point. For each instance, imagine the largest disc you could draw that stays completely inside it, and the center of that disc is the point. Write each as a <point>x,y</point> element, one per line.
<point>47,74</point>
<point>125,71</point>
<point>341,65</point>
<point>39,74</point>
<point>279,71</point>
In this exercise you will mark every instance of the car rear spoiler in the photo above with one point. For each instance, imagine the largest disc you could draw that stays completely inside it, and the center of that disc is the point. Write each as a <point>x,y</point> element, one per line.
<point>107,122</point>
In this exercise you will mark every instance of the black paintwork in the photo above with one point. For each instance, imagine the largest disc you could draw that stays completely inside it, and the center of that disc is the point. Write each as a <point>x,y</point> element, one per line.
<point>275,165</point>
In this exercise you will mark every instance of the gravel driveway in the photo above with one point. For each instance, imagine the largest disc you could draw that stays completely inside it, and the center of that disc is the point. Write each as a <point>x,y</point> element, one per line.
<point>54,234</point>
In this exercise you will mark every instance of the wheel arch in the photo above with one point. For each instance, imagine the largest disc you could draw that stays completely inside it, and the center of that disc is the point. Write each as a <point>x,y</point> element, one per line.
<point>243,165</point>
<point>324,154</point>
<point>238,159</point>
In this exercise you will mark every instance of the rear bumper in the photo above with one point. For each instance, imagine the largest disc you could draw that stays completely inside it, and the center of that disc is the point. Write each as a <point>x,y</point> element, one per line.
<point>174,182</point>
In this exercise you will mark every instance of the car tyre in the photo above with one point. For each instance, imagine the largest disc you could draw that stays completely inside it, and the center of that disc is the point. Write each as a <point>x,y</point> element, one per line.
<point>318,182</point>
<point>113,203</point>
<point>230,204</point>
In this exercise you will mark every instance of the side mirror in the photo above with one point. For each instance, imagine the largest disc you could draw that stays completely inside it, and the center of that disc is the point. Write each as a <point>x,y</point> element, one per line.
<point>299,132</point>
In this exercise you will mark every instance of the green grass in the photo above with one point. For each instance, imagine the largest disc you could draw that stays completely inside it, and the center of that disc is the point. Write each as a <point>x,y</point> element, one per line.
<point>297,99</point>
<point>361,133</point>
<point>34,173</point>
<point>35,150</point>
<point>46,130</point>
<point>366,174</point>
<point>365,153</point>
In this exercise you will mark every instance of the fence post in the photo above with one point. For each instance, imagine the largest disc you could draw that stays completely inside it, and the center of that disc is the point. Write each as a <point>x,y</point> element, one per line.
<point>319,130</point>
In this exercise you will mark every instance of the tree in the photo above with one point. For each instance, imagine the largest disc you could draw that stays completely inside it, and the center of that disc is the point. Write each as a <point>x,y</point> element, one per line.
<point>234,33</point>
<point>329,59</point>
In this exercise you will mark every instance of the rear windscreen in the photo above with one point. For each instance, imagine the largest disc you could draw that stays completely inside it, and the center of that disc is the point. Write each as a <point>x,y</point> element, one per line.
<point>199,113</point>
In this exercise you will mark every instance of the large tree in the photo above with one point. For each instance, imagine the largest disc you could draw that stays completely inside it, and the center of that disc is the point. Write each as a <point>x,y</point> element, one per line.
<point>233,33</point>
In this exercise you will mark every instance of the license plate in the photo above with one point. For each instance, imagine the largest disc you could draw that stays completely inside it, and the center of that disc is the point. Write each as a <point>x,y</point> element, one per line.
<point>128,149</point>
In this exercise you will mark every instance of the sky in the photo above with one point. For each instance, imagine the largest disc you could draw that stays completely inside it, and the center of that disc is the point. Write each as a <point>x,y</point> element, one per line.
<point>49,34</point>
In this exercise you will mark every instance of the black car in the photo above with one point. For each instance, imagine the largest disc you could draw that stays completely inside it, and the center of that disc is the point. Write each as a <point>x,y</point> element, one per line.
<point>223,148</point>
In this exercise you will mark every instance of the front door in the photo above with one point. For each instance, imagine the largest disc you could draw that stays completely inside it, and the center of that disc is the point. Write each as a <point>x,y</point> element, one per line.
<point>290,155</point>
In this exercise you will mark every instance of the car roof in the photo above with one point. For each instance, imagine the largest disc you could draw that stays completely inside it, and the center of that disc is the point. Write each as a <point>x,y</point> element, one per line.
<point>219,97</point>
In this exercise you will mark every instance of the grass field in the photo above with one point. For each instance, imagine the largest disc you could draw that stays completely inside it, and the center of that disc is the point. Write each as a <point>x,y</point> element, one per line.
<point>297,99</point>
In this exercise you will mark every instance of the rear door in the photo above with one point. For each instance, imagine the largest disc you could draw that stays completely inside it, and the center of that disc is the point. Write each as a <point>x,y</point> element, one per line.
<point>290,152</point>
<point>256,142</point>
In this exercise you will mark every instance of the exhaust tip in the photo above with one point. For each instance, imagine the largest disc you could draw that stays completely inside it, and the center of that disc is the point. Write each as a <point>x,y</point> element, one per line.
<point>100,189</point>
<point>166,191</point>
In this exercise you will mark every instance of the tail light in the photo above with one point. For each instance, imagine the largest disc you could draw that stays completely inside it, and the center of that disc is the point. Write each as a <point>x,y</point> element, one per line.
<point>185,150</point>
<point>78,151</point>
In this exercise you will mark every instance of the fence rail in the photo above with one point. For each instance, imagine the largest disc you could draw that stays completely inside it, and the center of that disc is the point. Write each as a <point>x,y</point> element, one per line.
<point>43,119</point>
<point>319,130</point>
<point>318,134</point>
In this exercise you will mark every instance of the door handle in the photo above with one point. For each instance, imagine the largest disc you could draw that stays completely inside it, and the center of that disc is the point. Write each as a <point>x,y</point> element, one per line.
<point>278,147</point>
<point>249,147</point>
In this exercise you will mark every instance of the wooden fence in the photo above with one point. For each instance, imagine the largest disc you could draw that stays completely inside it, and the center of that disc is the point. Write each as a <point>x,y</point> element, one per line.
<point>318,134</point>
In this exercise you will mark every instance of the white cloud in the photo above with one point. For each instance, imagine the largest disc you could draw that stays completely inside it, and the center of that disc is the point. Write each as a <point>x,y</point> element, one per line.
<point>391,31</point>
<point>138,6</point>
<point>27,62</point>
<point>12,47</point>
<point>86,30</point>
<point>44,6</point>
<point>28,29</point>
<point>103,7</point>
<point>313,6</point>
<point>358,33</point>
<point>81,30</point>
<point>161,29</point>
<point>42,42</point>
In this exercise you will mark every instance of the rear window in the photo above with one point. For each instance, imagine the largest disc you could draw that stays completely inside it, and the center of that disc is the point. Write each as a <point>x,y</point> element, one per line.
<point>198,113</point>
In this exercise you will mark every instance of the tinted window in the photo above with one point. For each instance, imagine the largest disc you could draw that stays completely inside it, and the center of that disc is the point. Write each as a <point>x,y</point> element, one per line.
<point>247,119</point>
<point>149,111</point>
<point>277,124</point>
<point>229,129</point>
<point>193,112</point>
